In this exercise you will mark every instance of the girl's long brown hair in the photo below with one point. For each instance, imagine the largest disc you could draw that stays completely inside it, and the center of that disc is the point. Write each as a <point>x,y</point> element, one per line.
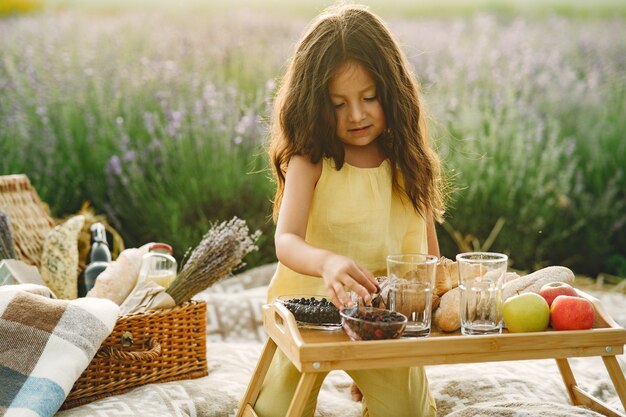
<point>304,121</point>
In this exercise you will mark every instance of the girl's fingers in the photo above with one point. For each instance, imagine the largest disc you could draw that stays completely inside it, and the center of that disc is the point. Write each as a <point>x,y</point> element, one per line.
<point>332,296</point>
<point>369,282</point>
<point>354,285</point>
<point>343,297</point>
<point>355,278</point>
<point>362,292</point>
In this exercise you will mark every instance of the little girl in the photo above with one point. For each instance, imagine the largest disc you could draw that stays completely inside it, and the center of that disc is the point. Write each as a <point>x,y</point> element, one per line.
<point>357,181</point>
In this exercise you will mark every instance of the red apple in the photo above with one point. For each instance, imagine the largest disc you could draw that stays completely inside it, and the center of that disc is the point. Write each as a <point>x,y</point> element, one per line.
<point>571,313</point>
<point>554,289</point>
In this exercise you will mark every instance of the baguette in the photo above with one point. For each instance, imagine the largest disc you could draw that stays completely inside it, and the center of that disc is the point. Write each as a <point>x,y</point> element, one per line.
<point>533,282</point>
<point>119,278</point>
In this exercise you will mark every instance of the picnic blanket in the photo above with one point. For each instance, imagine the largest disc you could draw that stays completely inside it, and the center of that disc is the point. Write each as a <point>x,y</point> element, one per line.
<point>45,345</point>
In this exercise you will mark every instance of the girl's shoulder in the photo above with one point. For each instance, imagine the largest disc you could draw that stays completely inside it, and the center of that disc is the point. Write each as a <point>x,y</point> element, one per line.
<point>301,167</point>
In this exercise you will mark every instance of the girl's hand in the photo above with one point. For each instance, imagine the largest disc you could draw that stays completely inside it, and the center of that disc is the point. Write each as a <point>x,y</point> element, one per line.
<point>341,273</point>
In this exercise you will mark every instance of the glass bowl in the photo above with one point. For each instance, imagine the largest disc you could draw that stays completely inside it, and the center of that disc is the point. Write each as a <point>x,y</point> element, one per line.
<point>370,323</point>
<point>312,311</point>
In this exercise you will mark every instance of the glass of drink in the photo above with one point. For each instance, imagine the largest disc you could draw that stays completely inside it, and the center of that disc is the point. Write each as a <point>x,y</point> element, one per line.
<point>481,275</point>
<point>411,281</point>
<point>158,265</point>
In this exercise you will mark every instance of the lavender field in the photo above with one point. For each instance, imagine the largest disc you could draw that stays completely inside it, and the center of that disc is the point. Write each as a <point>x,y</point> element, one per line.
<point>159,120</point>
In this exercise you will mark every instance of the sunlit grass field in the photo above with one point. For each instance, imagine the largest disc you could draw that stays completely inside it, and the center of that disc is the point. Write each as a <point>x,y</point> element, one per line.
<point>156,113</point>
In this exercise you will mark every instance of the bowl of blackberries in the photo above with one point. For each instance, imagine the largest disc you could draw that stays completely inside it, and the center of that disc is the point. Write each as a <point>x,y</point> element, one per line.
<point>371,323</point>
<point>312,311</point>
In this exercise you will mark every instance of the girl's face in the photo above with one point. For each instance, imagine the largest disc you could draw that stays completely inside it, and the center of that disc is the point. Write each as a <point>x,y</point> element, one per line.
<point>359,115</point>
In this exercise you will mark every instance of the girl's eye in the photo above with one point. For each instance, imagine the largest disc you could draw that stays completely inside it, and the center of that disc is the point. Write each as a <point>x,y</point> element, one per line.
<point>371,98</point>
<point>338,106</point>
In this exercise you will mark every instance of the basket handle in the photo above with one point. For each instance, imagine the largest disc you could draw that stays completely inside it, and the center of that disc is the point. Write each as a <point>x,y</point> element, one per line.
<point>153,352</point>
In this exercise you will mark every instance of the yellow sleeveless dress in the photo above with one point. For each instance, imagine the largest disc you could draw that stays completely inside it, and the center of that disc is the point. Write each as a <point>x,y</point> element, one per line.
<point>355,213</point>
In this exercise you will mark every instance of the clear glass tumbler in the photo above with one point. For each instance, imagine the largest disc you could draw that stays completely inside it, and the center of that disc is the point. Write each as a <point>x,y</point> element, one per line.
<point>411,281</point>
<point>481,275</point>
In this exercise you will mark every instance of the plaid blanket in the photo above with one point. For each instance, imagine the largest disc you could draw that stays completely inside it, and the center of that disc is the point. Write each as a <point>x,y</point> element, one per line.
<point>45,345</point>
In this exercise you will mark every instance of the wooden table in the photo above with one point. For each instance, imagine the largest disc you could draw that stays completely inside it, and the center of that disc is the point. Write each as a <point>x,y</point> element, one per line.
<point>313,351</point>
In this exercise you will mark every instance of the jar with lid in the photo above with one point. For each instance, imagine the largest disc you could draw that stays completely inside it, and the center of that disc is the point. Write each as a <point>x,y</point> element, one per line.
<point>158,265</point>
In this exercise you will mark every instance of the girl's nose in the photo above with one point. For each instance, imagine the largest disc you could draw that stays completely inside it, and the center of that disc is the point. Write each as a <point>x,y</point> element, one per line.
<point>356,113</point>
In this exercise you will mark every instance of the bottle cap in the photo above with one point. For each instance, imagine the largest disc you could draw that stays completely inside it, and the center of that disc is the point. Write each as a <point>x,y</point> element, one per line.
<point>162,246</point>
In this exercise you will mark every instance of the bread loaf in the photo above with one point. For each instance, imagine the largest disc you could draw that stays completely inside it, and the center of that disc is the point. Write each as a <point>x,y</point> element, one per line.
<point>446,276</point>
<point>119,278</point>
<point>435,302</point>
<point>448,317</point>
<point>533,282</point>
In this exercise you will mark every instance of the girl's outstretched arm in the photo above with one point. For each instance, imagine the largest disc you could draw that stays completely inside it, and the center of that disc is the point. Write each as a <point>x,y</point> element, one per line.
<point>431,236</point>
<point>291,249</point>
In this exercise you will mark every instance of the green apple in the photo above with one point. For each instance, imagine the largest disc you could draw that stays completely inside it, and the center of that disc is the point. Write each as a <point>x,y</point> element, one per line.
<point>527,312</point>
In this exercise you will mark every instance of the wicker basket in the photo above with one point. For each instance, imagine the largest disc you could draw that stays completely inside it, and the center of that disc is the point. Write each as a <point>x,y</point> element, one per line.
<point>157,346</point>
<point>29,217</point>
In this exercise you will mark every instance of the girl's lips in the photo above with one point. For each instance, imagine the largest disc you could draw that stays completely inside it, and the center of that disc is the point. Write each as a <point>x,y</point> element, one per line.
<point>359,130</point>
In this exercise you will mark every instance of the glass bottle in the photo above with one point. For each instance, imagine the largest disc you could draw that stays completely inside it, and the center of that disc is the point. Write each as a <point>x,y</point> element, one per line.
<point>99,255</point>
<point>158,265</point>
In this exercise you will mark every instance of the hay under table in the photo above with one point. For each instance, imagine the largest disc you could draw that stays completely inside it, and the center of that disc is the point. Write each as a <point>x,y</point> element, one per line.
<point>314,351</point>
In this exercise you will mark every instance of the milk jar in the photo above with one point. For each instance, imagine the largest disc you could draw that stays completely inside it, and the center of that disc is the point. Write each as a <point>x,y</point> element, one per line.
<point>158,265</point>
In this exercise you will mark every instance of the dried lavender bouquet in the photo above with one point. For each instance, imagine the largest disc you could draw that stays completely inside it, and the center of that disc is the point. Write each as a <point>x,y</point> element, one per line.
<point>219,252</point>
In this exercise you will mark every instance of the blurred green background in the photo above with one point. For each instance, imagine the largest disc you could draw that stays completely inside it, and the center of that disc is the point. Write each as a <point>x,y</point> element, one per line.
<point>156,113</point>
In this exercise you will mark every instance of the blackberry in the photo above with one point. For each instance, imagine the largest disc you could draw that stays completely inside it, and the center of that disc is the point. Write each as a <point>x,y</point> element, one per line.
<point>314,311</point>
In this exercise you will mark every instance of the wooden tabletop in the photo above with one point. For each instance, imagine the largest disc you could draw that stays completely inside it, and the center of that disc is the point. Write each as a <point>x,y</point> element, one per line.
<point>321,350</point>
<point>313,351</point>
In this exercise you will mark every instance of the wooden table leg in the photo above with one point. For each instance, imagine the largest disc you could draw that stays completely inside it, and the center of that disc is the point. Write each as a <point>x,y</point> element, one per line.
<point>580,397</point>
<point>617,376</point>
<point>568,378</point>
<point>300,397</point>
<point>254,386</point>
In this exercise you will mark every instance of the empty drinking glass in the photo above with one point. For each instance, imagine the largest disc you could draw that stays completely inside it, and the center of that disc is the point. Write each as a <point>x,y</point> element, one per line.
<point>481,275</point>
